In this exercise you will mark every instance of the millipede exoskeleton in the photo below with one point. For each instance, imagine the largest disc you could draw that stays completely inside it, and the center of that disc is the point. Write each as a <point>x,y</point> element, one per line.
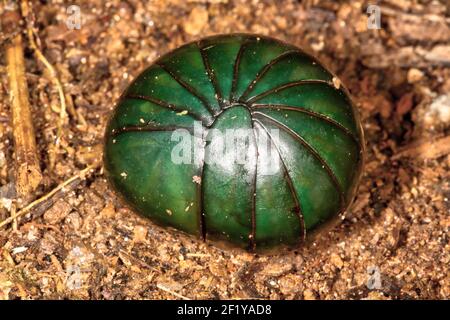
<point>300,163</point>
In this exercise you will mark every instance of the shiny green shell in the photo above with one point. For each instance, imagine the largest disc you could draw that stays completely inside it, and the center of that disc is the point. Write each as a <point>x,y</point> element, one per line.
<point>237,82</point>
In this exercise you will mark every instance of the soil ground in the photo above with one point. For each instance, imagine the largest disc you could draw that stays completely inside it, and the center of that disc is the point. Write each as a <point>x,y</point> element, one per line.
<point>84,244</point>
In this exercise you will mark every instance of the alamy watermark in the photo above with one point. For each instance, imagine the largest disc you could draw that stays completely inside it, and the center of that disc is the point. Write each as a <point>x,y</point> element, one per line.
<point>73,20</point>
<point>374,18</point>
<point>374,280</point>
<point>78,268</point>
<point>226,148</point>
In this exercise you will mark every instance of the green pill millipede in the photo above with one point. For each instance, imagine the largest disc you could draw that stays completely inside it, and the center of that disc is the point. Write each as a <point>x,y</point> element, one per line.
<point>301,163</point>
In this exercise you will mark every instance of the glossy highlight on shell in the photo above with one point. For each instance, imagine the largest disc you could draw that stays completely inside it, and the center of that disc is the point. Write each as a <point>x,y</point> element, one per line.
<point>237,82</point>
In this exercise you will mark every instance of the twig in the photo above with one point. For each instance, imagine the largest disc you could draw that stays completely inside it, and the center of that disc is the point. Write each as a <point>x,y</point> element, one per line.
<point>28,172</point>
<point>197,255</point>
<point>82,124</point>
<point>137,260</point>
<point>53,74</point>
<point>424,150</point>
<point>46,226</point>
<point>7,257</point>
<point>80,175</point>
<point>12,214</point>
<point>164,288</point>
<point>419,18</point>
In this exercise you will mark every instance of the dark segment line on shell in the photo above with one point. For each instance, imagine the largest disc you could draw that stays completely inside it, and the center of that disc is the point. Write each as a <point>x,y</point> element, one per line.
<point>264,70</point>
<point>252,236</point>
<point>237,63</point>
<point>285,86</point>
<point>200,213</point>
<point>288,178</point>
<point>148,128</point>
<point>311,150</point>
<point>189,89</point>
<point>211,75</point>
<point>168,106</point>
<point>311,113</point>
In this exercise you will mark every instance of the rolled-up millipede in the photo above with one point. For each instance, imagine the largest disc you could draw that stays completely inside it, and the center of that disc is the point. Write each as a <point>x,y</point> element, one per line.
<point>301,162</point>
